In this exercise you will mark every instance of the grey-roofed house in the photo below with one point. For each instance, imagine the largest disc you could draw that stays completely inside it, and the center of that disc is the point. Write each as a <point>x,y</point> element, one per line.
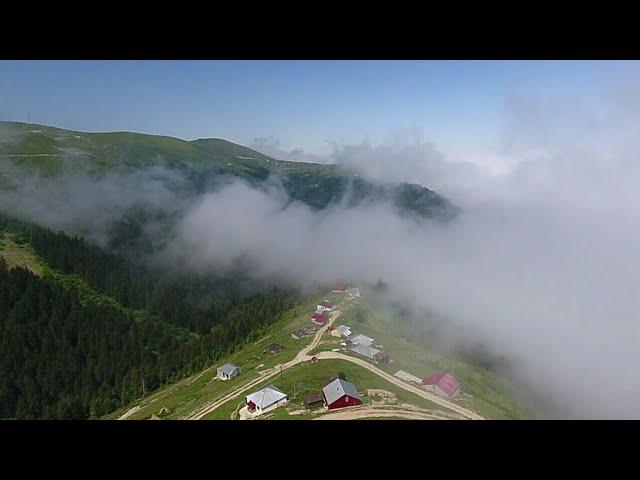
<point>228,371</point>
<point>339,394</point>
<point>364,350</point>
<point>344,331</point>
<point>361,339</point>
<point>266,399</point>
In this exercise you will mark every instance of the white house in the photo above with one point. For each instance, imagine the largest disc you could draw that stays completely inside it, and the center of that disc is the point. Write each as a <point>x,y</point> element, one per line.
<point>269,398</point>
<point>228,371</point>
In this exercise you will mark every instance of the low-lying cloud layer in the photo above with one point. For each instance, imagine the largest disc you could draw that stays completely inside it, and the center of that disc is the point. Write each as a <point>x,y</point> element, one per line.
<point>542,265</point>
<point>80,203</point>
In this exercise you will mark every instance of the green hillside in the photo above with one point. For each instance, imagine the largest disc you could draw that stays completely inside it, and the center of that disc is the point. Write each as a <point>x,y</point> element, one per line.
<point>30,149</point>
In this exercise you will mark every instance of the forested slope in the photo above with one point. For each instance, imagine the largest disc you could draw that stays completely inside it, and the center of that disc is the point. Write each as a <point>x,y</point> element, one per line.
<point>66,355</point>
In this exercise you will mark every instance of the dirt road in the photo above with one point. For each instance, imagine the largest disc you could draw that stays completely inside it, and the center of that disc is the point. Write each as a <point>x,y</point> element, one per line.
<point>396,381</point>
<point>129,412</point>
<point>301,356</point>
<point>368,412</point>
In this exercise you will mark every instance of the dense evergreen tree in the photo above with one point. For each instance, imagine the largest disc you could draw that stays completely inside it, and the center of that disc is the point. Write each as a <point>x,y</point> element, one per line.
<point>64,356</point>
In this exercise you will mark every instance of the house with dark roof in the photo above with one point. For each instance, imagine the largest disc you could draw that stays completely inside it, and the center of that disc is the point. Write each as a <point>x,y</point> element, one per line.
<point>313,400</point>
<point>340,394</point>
<point>443,384</point>
<point>228,371</point>
<point>273,348</point>
<point>301,332</point>
<point>381,357</point>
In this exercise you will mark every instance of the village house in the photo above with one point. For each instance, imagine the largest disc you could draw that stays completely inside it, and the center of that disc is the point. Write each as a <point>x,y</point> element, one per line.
<point>364,350</point>
<point>342,331</point>
<point>443,384</point>
<point>297,334</point>
<point>340,394</point>
<point>407,377</point>
<point>313,400</point>
<point>319,318</point>
<point>228,371</point>
<point>381,357</point>
<point>353,292</point>
<point>301,332</point>
<point>273,348</point>
<point>378,356</point>
<point>325,306</point>
<point>269,398</point>
<point>360,339</point>
<point>339,287</point>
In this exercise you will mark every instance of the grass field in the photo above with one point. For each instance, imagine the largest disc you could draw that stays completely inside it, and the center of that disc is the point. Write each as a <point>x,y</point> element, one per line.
<point>306,378</point>
<point>187,395</point>
<point>482,390</point>
<point>19,255</point>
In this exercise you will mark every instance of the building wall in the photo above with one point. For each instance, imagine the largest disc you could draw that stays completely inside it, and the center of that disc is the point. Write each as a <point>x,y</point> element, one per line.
<point>344,401</point>
<point>273,406</point>
<point>442,393</point>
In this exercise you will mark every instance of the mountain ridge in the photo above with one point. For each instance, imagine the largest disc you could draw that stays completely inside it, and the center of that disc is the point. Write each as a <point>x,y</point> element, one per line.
<point>34,149</point>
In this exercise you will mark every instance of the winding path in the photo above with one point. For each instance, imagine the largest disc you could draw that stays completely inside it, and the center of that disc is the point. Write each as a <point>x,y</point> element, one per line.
<point>303,356</point>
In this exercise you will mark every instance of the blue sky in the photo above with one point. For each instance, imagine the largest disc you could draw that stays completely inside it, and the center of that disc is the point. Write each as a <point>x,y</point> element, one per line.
<point>302,104</point>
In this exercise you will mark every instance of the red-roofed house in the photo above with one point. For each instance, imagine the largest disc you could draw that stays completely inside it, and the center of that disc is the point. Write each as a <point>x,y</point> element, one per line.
<point>318,318</point>
<point>443,384</point>
<point>339,287</point>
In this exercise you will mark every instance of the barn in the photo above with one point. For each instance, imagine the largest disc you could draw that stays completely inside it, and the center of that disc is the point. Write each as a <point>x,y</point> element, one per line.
<point>443,384</point>
<point>340,394</point>
<point>319,318</point>
<point>228,371</point>
<point>266,399</point>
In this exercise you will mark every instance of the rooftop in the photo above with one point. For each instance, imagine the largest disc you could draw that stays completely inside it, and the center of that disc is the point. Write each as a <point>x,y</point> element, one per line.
<point>228,368</point>
<point>337,389</point>
<point>267,396</point>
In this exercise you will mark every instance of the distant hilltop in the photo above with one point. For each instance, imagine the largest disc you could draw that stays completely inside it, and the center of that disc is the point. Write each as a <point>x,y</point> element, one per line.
<point>29,149</point>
